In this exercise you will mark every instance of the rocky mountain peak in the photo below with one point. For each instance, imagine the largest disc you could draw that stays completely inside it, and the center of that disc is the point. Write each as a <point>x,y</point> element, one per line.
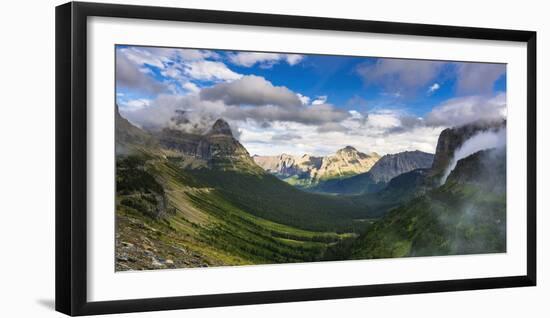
<point>347,149</point>
<point>221,127</point>
<point>392,165</point>
<point>216,148</point>
<point>307,169</point>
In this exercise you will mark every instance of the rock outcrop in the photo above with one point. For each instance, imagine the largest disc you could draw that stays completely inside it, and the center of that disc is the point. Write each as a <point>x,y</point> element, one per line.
<point>216,147</point>
<point>451,139</point>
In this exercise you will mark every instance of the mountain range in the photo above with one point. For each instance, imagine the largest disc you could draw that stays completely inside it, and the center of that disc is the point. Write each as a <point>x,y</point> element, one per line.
<point>194,200</point>
<point>375,179</point>
<point>310,170</point>
<point>348,171</point>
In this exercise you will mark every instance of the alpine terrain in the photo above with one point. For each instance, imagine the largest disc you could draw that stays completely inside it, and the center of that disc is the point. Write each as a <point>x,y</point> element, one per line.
<point>198,200</point>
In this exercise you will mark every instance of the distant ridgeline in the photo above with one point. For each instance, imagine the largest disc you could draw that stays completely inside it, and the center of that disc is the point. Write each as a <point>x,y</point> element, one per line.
<point>195,200</point>
<point>308,171</point>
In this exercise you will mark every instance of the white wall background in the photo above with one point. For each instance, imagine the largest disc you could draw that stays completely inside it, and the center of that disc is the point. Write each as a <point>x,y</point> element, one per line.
<point>27,158</point>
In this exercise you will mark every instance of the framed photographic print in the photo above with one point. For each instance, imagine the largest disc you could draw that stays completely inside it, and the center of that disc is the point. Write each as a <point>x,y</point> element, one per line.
<point>208,158</point>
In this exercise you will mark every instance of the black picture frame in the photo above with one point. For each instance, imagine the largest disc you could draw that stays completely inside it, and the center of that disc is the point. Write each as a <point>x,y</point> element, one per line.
<point>71,157</point>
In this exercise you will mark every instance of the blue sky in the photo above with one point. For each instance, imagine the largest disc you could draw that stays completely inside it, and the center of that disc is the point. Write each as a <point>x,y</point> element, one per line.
<point>299,103</point>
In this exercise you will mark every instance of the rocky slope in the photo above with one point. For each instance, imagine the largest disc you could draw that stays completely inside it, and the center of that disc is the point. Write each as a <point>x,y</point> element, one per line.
<point>392,165</point>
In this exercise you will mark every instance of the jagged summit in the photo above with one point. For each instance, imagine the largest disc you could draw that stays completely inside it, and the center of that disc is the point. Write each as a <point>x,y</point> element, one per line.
<point>352,151</point>
<point>221,127</point>
<point>217,148</point>
<point>347,149</point>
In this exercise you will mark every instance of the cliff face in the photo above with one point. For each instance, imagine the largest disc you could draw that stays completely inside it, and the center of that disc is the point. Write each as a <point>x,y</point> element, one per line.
<point>451,139</point>
<point>393,165</point>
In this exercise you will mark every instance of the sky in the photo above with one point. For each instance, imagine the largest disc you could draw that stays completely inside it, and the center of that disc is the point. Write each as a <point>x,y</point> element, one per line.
<point>303,103</point>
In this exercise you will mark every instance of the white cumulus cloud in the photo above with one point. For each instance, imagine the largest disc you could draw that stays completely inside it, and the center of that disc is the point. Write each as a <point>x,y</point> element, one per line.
<point>209,71</point>
<point>135,104</point>
<point>249,59</point>
<point>319,100</point>
<point>434,87</point>
<point>462,110</point>
<point>304,99</point>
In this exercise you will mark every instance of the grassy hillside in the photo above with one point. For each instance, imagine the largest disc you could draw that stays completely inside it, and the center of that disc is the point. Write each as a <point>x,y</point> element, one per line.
<point>168,218</point>
<point>268,197</point>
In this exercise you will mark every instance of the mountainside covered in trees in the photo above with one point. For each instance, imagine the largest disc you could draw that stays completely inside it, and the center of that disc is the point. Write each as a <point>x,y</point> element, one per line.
<point>466,215</point>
